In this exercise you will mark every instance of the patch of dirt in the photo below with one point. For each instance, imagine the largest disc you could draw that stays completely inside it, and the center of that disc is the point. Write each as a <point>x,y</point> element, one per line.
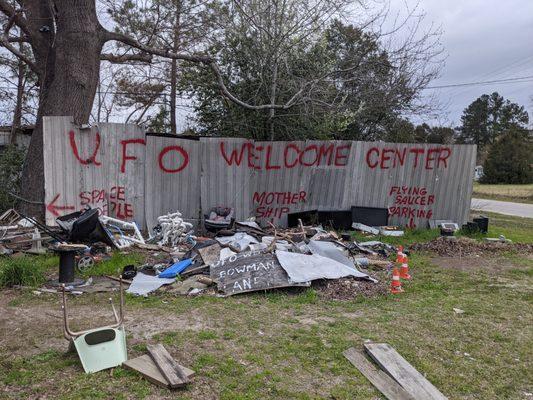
<point>493,265</point>
<point>31,329</point>
<point>462,246</point>
<point>349,288</point>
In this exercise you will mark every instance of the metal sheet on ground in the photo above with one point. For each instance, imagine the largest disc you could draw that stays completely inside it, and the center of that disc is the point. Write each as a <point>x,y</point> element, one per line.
<point>250,271</point>
<point>304,268</point>
<point>383,382</point>
<point>403,372</point>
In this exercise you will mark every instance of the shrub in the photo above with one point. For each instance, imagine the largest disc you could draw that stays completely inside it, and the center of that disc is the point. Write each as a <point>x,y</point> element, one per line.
<point>510,159</point>
<point>11,160</point>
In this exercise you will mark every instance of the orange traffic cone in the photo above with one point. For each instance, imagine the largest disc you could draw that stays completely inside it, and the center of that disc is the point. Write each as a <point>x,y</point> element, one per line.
<point>404,269</point>
<point>396,285</point>
<point>399,254</point>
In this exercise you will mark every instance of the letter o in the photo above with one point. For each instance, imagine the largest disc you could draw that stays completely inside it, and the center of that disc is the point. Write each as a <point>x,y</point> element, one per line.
<point>368,154</point>
<point>168,149</point>
<point>313,147</point>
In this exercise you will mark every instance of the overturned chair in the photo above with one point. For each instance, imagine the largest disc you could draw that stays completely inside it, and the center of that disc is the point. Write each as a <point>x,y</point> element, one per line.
<point>98,348</point>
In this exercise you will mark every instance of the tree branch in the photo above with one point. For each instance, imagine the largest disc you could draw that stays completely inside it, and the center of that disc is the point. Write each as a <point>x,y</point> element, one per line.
<point>123,58</point>
<point>4,41</point>
<point>195,58</point>
<point>18,19</point>
<point>12,39</point>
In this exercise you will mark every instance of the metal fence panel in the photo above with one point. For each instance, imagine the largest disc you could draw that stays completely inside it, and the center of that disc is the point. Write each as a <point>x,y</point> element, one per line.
<point>417,182</point>
<point>101,167</point>
<point>172,176</point>
<point>227,175</point>
<point>124,173</point>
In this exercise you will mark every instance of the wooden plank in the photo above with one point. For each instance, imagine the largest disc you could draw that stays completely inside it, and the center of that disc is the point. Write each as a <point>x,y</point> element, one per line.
<point>114,278</point>
<point>147,368</point>
<point>383,382</point>
<point>194,271</point>
<point>169,368</point>
<point>404,373</point>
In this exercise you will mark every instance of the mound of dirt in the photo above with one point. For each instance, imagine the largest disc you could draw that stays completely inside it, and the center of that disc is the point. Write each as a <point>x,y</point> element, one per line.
<point>349,288</point>
<point>463,246</point>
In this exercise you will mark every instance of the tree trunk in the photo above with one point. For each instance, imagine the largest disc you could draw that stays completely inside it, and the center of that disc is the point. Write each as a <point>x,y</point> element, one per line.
<point>174,71</point>
<point>273,90</point>
<point>68,86</point>
<point>173,84</point>
<point>17,115</point>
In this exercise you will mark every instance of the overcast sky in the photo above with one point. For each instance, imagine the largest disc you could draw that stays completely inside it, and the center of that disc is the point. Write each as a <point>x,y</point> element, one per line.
<point>483,40</point>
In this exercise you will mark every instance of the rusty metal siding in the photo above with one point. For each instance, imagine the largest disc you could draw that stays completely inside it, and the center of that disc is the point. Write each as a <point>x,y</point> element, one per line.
<point>168,192</point>
<point>125,175</point>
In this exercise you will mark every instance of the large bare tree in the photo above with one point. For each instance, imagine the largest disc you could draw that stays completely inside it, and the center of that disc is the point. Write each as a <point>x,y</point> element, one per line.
<point>66,40</point>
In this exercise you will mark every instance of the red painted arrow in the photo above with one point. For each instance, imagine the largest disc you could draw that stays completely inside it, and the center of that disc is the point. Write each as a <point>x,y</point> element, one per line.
<point>54,209</point>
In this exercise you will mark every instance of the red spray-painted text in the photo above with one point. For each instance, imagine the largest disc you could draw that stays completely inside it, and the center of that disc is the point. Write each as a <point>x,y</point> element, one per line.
<point>275,204</point>
<point>388,158</point>
<point>411,202</point>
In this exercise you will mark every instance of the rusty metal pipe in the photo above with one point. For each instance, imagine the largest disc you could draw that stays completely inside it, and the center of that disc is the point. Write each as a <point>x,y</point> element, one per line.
<point>71,335</point>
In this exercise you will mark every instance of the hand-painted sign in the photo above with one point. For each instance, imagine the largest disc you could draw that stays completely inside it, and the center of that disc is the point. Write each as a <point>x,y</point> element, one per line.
<point>248,272</point>
<point>125,173</point>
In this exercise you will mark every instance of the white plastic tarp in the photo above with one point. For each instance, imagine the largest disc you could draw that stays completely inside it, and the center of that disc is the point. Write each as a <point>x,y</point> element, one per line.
<point>239,241</point>
<point>305,268</point>
<point>143,284</point>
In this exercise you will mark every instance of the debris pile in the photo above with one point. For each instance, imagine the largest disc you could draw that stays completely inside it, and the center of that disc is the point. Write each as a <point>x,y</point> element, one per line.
<point>464,246</point>
<point>243,257</point>
<point>170,230</point>
<point>228,257</point>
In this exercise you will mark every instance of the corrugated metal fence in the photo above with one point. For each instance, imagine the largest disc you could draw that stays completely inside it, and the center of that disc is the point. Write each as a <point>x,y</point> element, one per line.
<point>133,176</point>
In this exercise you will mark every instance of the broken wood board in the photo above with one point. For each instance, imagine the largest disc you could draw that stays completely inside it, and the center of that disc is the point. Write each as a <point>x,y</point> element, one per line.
<point>210,254</point>
<point>194,271</point>
<point>169,368</point>
<point>147,368</point>
<point>383,382</point>
<point>404,373</point>
<point>114,278</point>
<point>250,271</point>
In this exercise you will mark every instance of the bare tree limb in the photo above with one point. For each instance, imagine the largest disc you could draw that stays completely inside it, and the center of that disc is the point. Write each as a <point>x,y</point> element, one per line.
<point>22,39</point>
<point>5,42</point>
<point>195,58</point>
<point>125,58</point>
<point>18,19</point>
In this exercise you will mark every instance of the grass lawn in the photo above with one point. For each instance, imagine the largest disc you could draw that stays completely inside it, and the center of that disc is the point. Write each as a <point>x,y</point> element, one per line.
<point>289,344</point>
<point>515,193</point>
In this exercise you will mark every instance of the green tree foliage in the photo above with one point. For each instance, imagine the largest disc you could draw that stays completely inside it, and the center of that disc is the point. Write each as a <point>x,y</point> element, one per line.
<point>488,117</point>
<point>11,160</point>
<point>510,159</point>
<point>355,89</point>
<point>436,134</point>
